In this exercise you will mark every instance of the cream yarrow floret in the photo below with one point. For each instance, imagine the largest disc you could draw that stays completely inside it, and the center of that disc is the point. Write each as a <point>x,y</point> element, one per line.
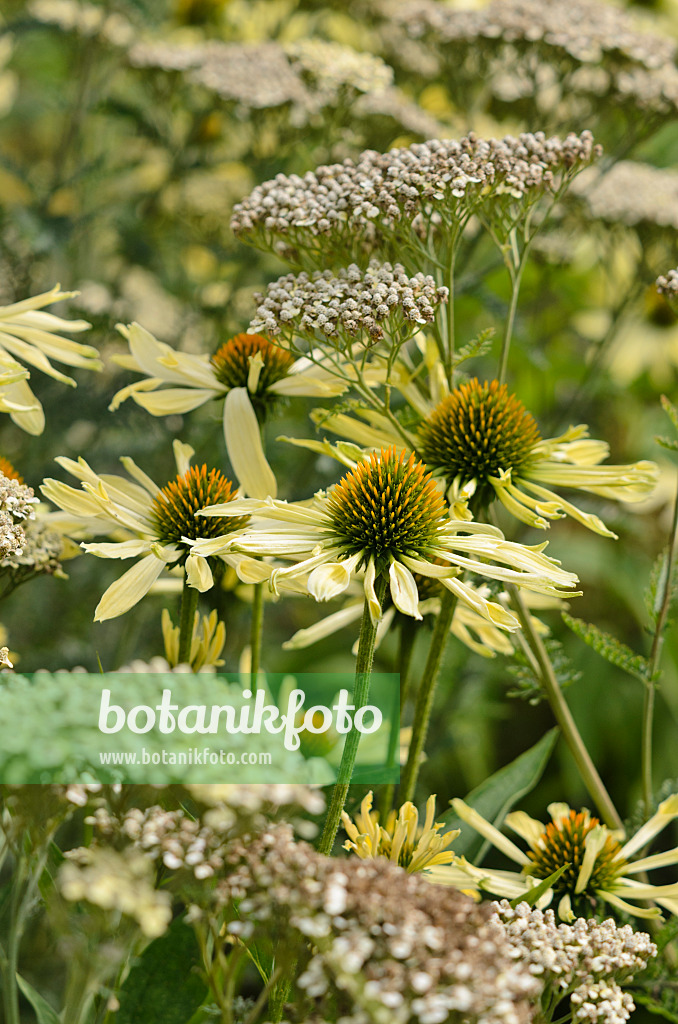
<point>247,370</point>
<point>30,334</point>
<point>156,522</point>
<point>596,862</point>
<point>387,519</point>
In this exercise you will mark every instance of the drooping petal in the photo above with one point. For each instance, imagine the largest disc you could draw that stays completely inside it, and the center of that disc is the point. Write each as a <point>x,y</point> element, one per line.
<point>198,573</point>
<point>481,825</point>
<point>666,812</point>
<point>404,590</point>
<point>332,578</point>
<point>129,589</point>
<point>371,594</point>
<point>243,443</point>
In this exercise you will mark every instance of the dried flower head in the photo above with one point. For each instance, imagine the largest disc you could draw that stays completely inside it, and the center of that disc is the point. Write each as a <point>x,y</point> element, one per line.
<point>633,194</point>
<point>353,305</point>
<point>433,186</point>
<point>388,944</point>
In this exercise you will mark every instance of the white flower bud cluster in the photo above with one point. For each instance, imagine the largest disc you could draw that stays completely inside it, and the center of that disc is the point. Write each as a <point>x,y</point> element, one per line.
<point>376,302</point>
<point>334,70</point>
<point>394,948</point>
<point>435,177</point>
<point>667,284</point>
<point>116,881</point>
<point>84,18</point>
<point>17,503</point>
<point>632,193</point>
<point>41,551</point>
<point>589,960</point>
<point>636,64</point>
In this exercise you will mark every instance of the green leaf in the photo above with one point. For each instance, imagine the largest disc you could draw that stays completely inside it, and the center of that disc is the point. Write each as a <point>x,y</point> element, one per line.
<point>529,685</point>
<point>609,648</point>
<point>43,1011</point>
<point>495,797</point>
<point>480,346</point>
<point>671,411</point>
<point>535,894</point>
<point>164,986</point>
<point>660,1009</point>
<point>666,442</point>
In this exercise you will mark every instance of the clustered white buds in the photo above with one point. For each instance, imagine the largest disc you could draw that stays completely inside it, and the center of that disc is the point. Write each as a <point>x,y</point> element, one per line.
<point>374,302</point>
<point>588,961</point>
<point>384,188</point>
<point>632,193</point>
<point>667,283</point>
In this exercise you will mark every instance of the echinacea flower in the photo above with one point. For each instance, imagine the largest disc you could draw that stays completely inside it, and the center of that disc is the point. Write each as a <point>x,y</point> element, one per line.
<point>159,522</point>
<point>247,370</point>
<point>598,865</point>
<point>387,517</point>
<point>402,839</point>
<point>485,443</point>
<point>29,334</point>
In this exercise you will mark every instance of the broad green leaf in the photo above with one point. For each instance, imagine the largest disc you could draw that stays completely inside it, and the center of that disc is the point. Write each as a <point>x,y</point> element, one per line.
<point>535,894</point>
<point>43,1011</point>
<point>164,986</point>
<point>609,648</point>
<point>495,797</point>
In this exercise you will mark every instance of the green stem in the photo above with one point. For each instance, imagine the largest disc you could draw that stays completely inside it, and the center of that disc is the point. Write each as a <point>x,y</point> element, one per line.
<point>424,705</point>
<point>256,632</point>
<point>189,606</point>
<point>653,670</point>
<point>516,273</point>
<point>408,635</point>
<point>563,716</point>
<point>363,672</point>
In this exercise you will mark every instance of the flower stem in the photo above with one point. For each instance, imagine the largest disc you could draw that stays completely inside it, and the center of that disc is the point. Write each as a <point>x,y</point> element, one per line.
<point>654,661</point>
<point>256,632</point>
<point>408,635</point>
<point>363,672</point>
<point>189,606</point>
<point>563,716</point>
<point>424,705</point>
<point>516,272</point>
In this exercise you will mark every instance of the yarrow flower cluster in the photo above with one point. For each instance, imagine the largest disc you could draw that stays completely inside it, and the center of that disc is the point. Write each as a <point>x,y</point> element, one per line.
<point>632,193</point>
<point>393,948</point>
<point>667,284</point>
<point>17,504</point>
<point>380,190</point>
<point>353,304</point>
<point>599,44</point>
<point>588,961</point>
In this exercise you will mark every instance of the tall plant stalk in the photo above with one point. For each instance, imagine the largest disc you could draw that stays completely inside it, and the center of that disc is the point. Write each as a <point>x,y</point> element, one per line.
<point>424,705</point>
<point>363,673</point>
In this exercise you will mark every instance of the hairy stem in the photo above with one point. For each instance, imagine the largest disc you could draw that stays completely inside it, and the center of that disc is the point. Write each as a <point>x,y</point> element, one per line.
<point>189,606</point>
<point>563,716</point>
<point>363,673</point>
<point>424,705</point>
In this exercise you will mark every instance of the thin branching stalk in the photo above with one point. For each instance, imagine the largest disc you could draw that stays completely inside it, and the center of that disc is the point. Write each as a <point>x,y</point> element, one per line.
<point>549,682</point>
<point>516,268</point>
<point>363,673</point>
<point>653,669</point>
<point>189,606</point>
<point>424,705</point>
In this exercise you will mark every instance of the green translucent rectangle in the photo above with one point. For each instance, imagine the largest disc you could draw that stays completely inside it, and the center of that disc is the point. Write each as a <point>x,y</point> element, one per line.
<point>159,728</point>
